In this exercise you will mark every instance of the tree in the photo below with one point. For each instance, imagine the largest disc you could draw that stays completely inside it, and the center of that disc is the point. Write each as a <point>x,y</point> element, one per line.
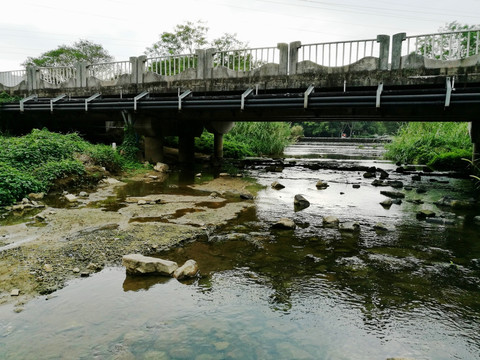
<point>188,37</point>
<point>65,55</point>
<point>459,42</point>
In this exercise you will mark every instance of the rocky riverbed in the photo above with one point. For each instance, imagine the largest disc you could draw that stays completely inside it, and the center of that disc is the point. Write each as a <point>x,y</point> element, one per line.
<point>57,244</point>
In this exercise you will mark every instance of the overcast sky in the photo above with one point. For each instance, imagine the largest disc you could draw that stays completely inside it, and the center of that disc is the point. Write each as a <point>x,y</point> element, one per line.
<point>125,28</point>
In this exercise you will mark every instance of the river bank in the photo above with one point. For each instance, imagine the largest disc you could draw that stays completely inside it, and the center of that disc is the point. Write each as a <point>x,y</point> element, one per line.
<point>57,244</point>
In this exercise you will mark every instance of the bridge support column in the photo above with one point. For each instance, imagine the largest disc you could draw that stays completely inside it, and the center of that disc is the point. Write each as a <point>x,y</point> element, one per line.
<point>154,149</point>
<point>186,148</point>
<point>218,146</point>
<point>475,136</point>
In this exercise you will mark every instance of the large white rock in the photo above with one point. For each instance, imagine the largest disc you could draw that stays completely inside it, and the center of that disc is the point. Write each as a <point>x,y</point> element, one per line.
<point>139,264</point>
<point>187,270</point>
<point>160,167</point>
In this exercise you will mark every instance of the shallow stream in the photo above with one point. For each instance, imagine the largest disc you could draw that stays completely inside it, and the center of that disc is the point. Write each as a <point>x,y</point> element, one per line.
<point>412,291</point>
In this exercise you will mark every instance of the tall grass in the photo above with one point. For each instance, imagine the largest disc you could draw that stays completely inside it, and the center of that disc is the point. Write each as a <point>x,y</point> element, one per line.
<point>439,145</point>
<point>262,138</point>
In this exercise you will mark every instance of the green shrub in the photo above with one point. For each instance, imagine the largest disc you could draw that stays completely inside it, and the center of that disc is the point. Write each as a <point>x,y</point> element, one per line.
<point>52,170</point>
<point>106,156</point>
<point>437,144</point>
<point>15,184</point>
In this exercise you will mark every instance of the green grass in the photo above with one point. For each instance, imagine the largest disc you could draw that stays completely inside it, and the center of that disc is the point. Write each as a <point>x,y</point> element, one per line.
<point>439,145</point>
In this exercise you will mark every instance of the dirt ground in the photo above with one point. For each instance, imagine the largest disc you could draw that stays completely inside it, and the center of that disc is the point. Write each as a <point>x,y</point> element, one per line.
<point>59,244</point>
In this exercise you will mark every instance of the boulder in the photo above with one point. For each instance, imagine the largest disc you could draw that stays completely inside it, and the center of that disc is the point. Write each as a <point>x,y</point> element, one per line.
<point>330,221</point>
<point>321,185</point>
<point>396,184</point>
<point>300,202</point>
<point>160,167</point>
<point>36,196</point>
<point>284,224</point>
<point>277,186</point>
<point>423,214</point>
<point>378,182</point>
<point>383,174</point>
<point>139,264</point>
<point>71,198</point>
<point>356,186</point>
<point>187,270</point>
<point>246,196</point>
<point>386,203</point>
<point>369,175</point>
<point>380,227</point>
<point>393,194</point>
<point>350,226</point>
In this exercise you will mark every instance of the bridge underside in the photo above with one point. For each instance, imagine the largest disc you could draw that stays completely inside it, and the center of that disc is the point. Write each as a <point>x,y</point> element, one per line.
<point>186,115</point>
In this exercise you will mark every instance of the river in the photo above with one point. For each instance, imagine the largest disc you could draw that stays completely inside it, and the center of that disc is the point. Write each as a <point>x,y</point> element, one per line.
<point>410,291</point>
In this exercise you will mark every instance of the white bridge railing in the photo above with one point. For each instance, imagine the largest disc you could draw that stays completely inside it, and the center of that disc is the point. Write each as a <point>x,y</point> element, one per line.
<point>246,59</point>
<point>444,46</point>
<point>171,65</point>
<point>13,78</point>
<point>339,53</point>
<point>109,71</point>
<point>56,75</point>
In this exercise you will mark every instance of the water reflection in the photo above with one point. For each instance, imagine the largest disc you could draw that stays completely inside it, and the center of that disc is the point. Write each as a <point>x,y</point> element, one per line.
<point>312,293</point>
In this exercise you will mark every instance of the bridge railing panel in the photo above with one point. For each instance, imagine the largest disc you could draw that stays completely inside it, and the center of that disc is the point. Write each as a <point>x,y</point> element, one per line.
<point>339,53</point>
<point>246,59</point>
<point>171,65</point>
<point>56,75</point>
<point>109,71</point>
<point>451,45</point>
<point>12,78</point>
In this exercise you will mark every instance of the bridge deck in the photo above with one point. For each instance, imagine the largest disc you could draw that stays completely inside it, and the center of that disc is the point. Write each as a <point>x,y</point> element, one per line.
<point>404,103</point>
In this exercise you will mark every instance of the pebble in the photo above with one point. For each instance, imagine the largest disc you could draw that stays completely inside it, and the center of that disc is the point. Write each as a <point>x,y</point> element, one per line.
<point>15,292</point>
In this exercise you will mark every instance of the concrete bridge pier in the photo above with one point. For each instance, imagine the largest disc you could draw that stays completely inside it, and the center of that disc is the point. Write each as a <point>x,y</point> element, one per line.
<point>219,128</point>
<point>186,148</point>
<point>475,136</point>
<point>154,149</point>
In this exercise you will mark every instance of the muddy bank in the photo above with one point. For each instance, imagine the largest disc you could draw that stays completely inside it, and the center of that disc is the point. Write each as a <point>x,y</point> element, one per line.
<point>59,244</point>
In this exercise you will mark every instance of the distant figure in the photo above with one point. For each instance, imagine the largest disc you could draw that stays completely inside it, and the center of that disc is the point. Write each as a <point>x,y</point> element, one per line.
<point>344,135</point>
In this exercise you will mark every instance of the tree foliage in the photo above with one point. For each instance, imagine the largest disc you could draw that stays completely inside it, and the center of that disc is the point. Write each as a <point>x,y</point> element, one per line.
<point>68,55</point>
<point>349,128</point>
<point>460,44</point>
<point>186,38</point>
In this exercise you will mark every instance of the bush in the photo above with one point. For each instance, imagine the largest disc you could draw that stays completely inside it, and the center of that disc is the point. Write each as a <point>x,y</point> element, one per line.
<point>106,156</point>
<point>435,144</point>
<point>15,184</point>
<point>53,170</point>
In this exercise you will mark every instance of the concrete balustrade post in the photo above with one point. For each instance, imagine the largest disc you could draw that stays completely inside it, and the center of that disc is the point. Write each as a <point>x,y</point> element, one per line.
<point>293,57</point>
<point>31,78</point>
<point>397,41</point>
<point>209,62</point>
<point>134,69</point>
<point>283,62</point>
<point>141,60</point>
<point>384,41</point>
<point>201,59</point>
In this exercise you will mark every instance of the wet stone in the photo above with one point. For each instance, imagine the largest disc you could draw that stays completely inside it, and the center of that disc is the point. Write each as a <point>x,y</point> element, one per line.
<point>330,221</point>
<point>300,202</point>
<point>284,224</point>
<point>277,186</point>
<point>423,214</point>
<point>393,194</point>
<point>321,185</point>
<point>350,226</point>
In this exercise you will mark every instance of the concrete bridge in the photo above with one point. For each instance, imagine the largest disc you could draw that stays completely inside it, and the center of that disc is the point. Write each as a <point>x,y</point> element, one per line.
<point>431,77</point>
